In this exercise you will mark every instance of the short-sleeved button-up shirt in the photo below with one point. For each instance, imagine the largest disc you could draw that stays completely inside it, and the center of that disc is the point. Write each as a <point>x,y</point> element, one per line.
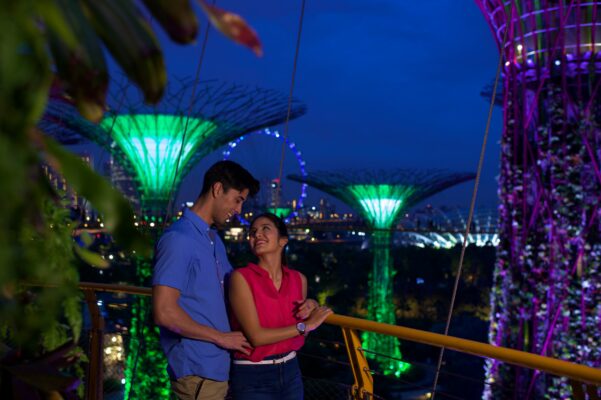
<point>191,258</point>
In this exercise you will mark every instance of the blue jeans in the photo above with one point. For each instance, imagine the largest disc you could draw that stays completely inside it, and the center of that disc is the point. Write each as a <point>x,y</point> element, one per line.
<point>266,382</point>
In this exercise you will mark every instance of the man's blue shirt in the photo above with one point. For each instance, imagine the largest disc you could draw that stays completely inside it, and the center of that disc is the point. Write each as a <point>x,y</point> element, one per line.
<point>191,258</point>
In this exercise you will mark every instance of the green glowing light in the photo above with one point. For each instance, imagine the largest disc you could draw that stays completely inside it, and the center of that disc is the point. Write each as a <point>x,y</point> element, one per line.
<point>145,365</point>
<point>381,204</point>
<point>153,143</point>
<point>281,212</point>
<point>381,307</point>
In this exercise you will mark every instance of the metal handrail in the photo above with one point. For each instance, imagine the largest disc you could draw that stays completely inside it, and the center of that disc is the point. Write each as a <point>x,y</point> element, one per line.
<point>349,325</point>
<point>581,373</point>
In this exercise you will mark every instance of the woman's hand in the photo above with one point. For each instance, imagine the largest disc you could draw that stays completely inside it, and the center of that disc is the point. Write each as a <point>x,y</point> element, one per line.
<point>317,317</point>
<point>305,307</point>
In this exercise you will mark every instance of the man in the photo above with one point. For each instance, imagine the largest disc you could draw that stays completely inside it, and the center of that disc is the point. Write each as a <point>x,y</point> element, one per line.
<point>191,266</point>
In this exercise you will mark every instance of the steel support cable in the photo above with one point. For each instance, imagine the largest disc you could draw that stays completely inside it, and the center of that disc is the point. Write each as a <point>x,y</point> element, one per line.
<point>424,366</point>
<point>412,384</point>
<point>183,144</point>
<point>471,213</point>
<point>292,81</point>
<point>429,367</point>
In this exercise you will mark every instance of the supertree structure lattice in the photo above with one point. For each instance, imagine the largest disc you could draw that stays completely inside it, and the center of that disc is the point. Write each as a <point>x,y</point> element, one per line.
<point>56,119</point>
<point>546,296</point>
<point>159,144</point>
<point>381,196</point>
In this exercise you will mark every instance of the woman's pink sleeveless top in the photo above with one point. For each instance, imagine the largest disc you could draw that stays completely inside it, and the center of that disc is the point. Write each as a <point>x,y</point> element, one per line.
<point>275,308</point>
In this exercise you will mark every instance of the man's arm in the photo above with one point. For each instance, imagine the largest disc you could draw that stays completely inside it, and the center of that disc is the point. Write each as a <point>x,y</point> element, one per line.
<point>168,314</point>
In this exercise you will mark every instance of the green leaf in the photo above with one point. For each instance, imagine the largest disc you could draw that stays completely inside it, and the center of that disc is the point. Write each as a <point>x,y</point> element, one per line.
<point>118,215</point>
<point>89,257</point>
<point>55,20</point>
<point>80,65</point>
<point>25,74</point>
<point>176,17</point>
<point>72,306</point>
<point>132,43</point>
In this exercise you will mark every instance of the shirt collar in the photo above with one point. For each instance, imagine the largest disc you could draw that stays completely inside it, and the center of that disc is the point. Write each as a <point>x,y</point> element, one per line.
<point>260,271</point>
<point>198,222</point>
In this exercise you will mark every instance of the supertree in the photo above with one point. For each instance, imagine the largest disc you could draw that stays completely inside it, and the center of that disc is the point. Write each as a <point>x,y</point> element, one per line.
<point>381,196</point>
<point>158,145</point>
<point>546,296</point>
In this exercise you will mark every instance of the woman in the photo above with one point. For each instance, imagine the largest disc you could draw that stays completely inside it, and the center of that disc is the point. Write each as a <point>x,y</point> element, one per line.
<point>269,306</point>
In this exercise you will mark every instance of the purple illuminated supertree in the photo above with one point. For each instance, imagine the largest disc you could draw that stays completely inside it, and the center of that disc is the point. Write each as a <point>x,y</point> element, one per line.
<point>546,297</point>
<point>381,196</point>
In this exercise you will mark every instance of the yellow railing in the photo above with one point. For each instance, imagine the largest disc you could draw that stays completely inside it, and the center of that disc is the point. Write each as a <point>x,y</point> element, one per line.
<point>363,386</point>
<point>577,373</point>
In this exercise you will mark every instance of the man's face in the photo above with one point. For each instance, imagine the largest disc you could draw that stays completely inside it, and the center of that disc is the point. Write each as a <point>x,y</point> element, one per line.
<point>227,204</point>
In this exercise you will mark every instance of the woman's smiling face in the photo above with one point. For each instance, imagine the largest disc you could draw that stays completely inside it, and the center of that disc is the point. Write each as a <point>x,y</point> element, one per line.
<point>264,238</point>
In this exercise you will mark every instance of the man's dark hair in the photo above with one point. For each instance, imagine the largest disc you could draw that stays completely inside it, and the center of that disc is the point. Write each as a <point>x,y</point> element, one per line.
<point>231,175</point>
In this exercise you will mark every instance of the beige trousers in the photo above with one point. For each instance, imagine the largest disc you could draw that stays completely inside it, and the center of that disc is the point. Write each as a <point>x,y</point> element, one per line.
<point>196,388</point>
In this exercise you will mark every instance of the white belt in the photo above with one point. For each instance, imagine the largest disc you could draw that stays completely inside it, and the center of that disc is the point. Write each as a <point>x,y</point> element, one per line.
<point>281,360</point>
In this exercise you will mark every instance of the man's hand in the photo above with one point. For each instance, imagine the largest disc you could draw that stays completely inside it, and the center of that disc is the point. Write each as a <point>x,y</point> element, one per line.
<point>304,308</point>
<point>234,341</point>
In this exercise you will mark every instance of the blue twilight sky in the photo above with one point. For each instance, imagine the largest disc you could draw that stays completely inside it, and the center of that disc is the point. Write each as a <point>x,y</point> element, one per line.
<point>388,83</point>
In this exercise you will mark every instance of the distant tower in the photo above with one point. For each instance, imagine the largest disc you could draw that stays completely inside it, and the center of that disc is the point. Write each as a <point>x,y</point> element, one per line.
<point>546,297</point>
<point>381,196</point>
<point>276,192</point>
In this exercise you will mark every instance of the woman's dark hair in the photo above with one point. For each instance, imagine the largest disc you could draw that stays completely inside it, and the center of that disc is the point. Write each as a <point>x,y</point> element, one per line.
<point>280,225</point>
<point>231,175</point>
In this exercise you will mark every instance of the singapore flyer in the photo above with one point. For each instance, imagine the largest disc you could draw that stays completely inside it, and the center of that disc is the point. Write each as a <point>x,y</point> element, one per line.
<point>261,152</point>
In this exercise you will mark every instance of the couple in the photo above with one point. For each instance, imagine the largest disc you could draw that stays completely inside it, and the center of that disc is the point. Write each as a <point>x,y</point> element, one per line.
<point>267,301</point>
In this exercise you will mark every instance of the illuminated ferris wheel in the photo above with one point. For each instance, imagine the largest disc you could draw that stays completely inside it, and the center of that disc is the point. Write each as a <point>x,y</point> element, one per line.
<point>262,155</point>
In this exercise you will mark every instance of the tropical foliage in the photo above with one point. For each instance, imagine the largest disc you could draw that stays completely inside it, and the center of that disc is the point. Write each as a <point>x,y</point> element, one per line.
<point>62,43</point>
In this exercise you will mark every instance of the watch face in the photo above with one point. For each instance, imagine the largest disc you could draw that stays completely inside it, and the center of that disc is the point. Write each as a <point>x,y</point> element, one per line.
<point>301,327</point>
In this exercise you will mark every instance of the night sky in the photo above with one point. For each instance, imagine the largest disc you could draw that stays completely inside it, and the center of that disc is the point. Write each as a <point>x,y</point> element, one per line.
<point>387,83</point>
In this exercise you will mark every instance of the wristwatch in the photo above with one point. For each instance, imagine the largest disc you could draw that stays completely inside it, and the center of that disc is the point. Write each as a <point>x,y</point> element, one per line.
<point>301,328</point>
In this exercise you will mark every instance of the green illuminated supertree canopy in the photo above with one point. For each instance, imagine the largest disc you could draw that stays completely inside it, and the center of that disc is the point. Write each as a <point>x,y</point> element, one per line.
<point>381,196</point>
<point>154,145</point>
<point>159,144</point>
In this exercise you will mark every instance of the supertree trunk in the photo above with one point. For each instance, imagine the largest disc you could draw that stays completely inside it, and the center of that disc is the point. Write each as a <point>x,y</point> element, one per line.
<point>381,196</point>
<point>546,296</point>
<point>380,306</point>
<point>145,366</point>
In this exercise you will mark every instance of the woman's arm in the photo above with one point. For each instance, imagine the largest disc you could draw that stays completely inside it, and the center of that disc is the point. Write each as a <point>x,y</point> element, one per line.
<point>243,305</point>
